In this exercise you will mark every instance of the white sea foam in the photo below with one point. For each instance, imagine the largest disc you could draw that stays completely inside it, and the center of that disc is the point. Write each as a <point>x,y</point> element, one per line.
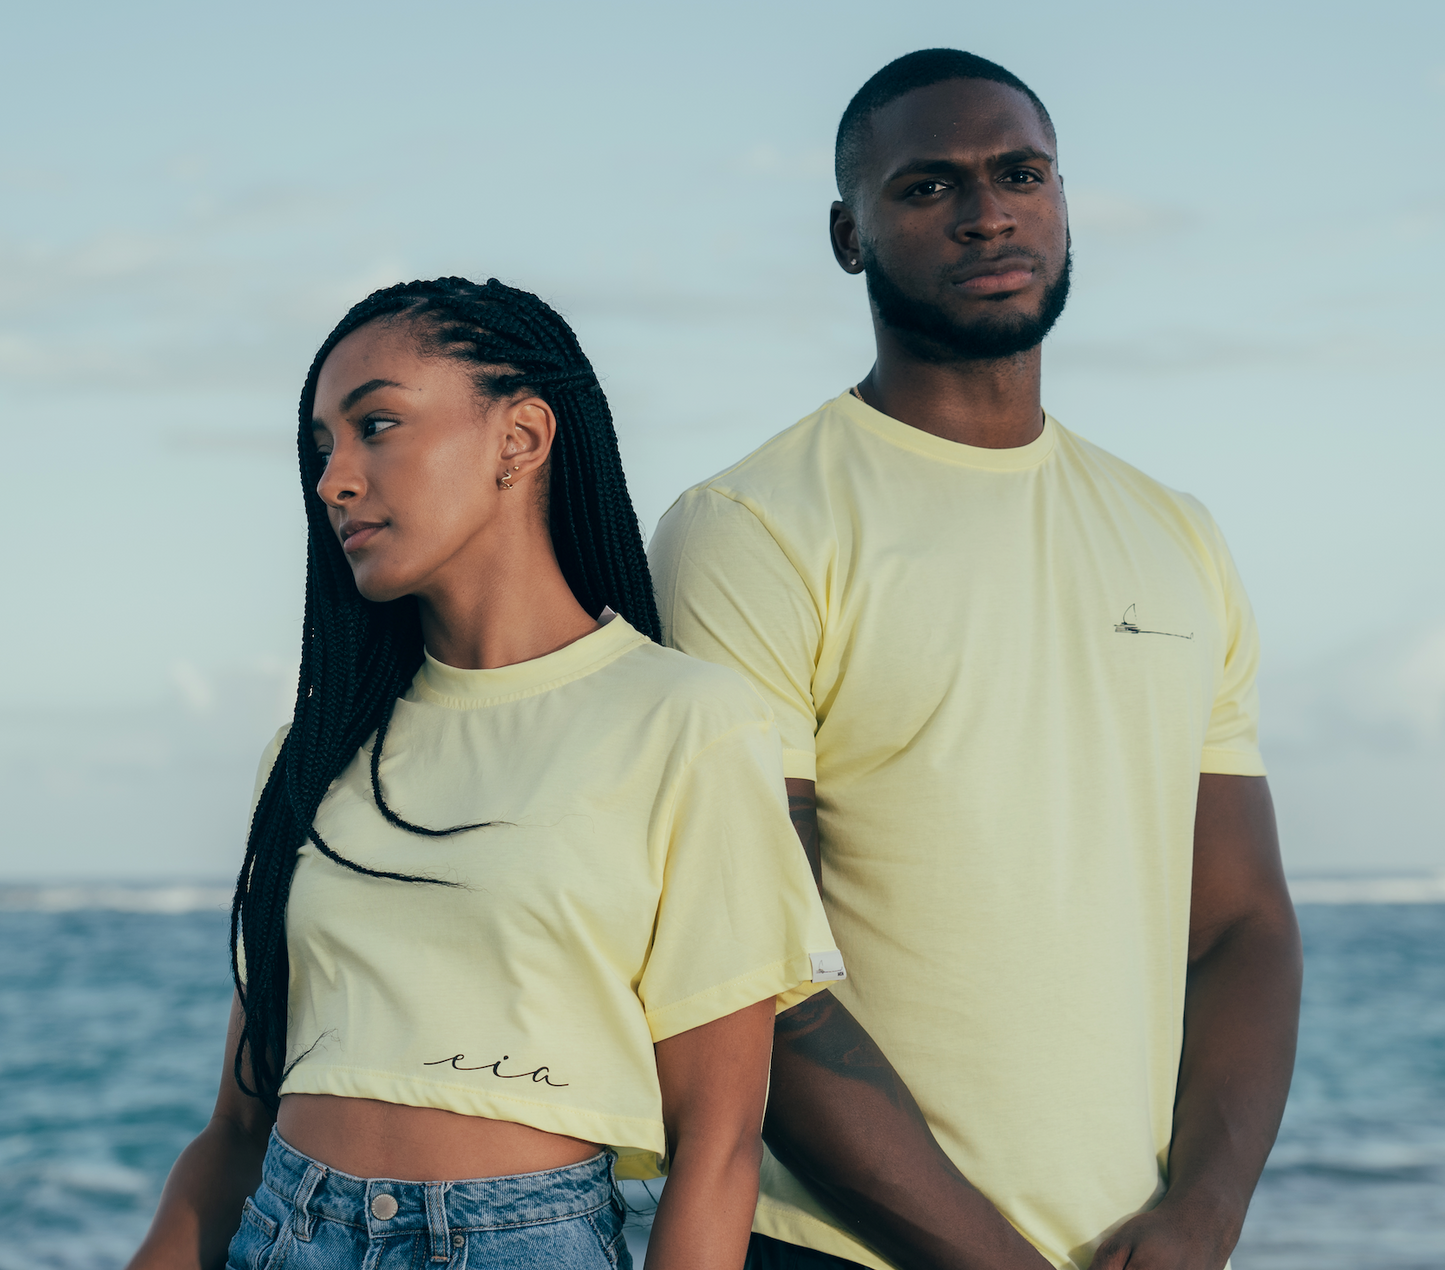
<point>201,897</point>
<point>116,898</point>
<point>1367,890</point>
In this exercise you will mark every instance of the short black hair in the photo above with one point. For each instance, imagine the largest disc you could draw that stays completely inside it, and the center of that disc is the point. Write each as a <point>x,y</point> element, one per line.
<point>903,75</point>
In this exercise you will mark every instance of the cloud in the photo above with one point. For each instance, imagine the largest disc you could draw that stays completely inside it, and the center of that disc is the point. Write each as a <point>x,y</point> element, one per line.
<point>255,443</point>
<point>159,790</point>
<point>1095,211</point>
<point>1386,694</point>
<point>218,293</point>
<point>768,160</point>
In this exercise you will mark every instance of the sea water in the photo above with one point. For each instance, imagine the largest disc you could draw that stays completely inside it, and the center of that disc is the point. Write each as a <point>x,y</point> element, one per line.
<point>112,1025</point>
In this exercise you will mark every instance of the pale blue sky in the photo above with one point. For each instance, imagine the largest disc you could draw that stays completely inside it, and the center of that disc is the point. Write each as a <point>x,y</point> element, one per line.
<point>191,195</point>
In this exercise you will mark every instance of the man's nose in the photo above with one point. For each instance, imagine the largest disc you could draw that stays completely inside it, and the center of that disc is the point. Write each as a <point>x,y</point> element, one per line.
<point>983,215</point>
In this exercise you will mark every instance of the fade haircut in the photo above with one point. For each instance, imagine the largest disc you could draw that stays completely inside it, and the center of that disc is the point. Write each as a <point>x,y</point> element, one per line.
<point>903,75</point>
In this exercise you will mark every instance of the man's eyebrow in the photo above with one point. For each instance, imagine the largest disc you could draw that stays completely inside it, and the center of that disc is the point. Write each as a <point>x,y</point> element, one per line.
<point>946,167</point>
<point>370,386</point>
<point>1022,155</point>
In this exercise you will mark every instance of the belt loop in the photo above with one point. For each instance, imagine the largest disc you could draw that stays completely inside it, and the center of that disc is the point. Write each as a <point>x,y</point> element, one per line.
<point>619,1201</point>
<point>301,1218</point>
<point>436,1220</point>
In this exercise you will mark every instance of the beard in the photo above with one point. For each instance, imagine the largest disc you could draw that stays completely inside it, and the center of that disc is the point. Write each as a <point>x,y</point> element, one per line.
<point>935,335</point>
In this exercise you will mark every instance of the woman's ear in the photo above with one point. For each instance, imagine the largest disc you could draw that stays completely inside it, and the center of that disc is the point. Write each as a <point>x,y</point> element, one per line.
<point>530,427</point>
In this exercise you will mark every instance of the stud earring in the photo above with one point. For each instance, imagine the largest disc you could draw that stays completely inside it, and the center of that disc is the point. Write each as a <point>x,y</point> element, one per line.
<point>853,264</point>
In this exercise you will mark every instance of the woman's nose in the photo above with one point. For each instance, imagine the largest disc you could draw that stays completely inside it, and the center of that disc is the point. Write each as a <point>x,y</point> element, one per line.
<point>340,483</point>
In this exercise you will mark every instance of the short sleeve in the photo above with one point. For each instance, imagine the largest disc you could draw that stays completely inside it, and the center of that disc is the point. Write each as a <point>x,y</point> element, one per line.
<point>263,768</point>
<point>263,772</point>
<point>727,593</point>
<point>1231,744</point>
<point>739,919</point>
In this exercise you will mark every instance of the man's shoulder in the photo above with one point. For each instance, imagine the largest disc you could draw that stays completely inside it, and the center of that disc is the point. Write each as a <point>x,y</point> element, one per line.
<point>787,463</point>
<point>1102,467</point>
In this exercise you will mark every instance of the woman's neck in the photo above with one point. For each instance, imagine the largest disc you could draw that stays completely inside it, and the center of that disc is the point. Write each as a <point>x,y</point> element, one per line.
<point>507,604</point>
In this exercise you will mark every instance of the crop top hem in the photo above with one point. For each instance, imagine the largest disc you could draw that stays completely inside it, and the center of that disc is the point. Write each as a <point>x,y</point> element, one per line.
<point>789,981</point>
<point>629,1134</point>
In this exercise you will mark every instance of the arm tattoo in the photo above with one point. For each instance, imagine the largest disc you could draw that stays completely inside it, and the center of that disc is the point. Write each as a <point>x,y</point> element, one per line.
<point>822,1033</point>
<point>803,812</point>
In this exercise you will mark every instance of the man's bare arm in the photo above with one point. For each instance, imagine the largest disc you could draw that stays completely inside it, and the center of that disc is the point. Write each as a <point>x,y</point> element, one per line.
<point>1241,1013</point>
<point>843,1122</point>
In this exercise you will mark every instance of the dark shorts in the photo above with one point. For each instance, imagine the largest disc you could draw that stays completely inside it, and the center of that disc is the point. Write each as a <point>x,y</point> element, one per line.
<point>765,1253</point>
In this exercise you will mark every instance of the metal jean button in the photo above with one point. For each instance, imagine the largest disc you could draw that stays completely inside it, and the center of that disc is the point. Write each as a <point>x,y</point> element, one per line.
<point>383,1207</point>
<point>458,1241</point>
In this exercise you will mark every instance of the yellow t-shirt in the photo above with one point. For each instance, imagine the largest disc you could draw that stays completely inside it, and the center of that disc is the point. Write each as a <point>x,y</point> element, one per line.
<point>1006,670</point>
<point>642,879</point>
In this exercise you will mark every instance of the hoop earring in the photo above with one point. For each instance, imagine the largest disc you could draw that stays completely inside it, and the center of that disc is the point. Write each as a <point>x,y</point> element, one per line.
<point>505,480</point>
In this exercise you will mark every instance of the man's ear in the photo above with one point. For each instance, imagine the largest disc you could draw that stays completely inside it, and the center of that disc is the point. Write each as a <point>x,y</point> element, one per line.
<point>843,231</point>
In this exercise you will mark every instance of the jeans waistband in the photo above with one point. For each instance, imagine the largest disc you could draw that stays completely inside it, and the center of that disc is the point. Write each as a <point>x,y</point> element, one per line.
<point>383,1206</point>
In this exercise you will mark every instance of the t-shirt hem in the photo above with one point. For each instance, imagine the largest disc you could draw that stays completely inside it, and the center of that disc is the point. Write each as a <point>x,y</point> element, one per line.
<point>627,1134</point>
<point>1231,763</point>
<point>800,765</point>
<point>795,996</point>
<point>727,998</point>
<point>792,1226</point>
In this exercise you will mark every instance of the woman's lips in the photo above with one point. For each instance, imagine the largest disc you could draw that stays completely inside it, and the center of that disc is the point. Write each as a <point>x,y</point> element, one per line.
<point>988,283</point>
<point>356,539</point>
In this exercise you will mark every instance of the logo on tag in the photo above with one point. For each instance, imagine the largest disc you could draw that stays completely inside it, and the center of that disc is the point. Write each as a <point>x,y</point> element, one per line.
<point>827,966</point>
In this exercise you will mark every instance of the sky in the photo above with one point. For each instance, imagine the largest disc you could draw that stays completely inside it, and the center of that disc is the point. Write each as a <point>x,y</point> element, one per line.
<point>192,194</point>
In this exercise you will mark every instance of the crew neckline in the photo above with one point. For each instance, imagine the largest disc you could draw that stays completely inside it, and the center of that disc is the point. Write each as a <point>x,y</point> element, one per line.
<point>1016,459</point>
<point>452,686</point>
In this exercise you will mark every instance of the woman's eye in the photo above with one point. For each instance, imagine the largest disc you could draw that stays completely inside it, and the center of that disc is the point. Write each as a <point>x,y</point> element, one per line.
<point>371,427</point>
<point>322,456</point>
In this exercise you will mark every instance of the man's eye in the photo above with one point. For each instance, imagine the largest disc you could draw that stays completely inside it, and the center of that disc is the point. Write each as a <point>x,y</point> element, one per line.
<point>1023,177</point>
<point>927,188</point>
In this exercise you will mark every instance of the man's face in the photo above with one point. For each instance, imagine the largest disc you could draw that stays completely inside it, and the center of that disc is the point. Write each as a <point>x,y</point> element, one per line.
<point>959,222</point>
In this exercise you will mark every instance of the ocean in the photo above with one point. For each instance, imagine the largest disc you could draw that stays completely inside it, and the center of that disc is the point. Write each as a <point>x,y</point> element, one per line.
<point>113,1008</point>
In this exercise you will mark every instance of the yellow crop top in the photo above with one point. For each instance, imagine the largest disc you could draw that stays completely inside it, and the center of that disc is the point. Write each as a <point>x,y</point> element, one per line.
<point>641,878</point>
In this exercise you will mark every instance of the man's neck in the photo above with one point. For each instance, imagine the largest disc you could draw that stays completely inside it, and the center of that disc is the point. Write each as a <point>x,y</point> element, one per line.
<point>991,404</point>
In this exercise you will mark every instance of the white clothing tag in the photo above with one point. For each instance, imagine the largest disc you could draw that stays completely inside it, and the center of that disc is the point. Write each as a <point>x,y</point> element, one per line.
<point>827,966</point>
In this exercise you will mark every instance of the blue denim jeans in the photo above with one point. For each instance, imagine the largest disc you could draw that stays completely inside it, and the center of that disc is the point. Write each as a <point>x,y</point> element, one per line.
<point>306,1216</point>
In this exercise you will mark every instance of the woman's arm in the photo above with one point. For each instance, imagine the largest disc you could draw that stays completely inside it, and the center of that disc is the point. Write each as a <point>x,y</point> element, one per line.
<point>200,1208</point>
<point>714,1082</point>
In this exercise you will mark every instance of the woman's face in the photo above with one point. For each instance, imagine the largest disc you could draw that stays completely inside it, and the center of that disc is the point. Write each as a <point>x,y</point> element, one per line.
<point>414,459</point>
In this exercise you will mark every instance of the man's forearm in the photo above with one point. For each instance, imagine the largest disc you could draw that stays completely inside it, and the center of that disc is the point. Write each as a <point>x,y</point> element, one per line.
<point>1240,1019</point>
<point>843,1122</point>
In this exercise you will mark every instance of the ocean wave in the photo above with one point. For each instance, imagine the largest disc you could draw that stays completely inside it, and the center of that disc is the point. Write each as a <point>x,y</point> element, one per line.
<point>115,898</point>
<point>1366,890</point>
<point>203,897</point>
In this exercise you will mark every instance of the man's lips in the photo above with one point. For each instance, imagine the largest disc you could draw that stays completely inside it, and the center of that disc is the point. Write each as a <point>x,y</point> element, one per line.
<point>989,277</point>
<point>987,283</point>
<point>355,534</point>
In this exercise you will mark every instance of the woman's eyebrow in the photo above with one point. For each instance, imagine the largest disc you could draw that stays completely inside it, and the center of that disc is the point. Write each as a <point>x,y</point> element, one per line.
<point>370,386</point>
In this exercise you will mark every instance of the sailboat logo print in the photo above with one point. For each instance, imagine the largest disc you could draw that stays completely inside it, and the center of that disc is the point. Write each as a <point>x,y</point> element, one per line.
<point>1129,625</point>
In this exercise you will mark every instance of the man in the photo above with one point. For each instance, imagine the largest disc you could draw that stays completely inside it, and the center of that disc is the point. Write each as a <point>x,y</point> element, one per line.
<point>1015,682</point>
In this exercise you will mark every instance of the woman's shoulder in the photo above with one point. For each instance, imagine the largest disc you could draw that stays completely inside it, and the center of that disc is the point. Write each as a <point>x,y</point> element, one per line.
<point>716,697</point>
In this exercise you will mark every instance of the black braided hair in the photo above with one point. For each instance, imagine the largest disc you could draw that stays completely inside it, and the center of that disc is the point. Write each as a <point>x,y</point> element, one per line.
<point>358,656</point>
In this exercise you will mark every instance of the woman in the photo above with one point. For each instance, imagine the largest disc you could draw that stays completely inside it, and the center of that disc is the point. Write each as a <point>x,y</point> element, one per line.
<point>520,896</point>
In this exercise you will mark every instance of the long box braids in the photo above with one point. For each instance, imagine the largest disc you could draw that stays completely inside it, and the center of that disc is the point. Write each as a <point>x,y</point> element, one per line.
<point>358,657</point>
